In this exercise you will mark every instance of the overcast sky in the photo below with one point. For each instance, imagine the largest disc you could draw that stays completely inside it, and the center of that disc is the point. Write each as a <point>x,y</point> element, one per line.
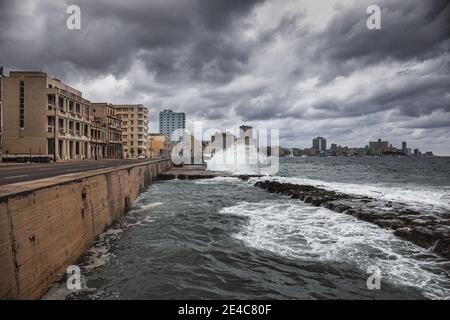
<point>308,68</point>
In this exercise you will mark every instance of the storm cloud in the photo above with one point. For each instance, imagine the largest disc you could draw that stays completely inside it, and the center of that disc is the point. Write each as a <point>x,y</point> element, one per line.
<point>306,67</point>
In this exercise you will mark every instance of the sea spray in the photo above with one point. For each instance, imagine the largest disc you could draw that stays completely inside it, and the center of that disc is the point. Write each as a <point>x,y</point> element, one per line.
<point>242,159</point>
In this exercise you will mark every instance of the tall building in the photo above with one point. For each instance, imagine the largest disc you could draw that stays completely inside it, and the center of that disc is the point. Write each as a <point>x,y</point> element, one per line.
<point>44,119</point>
<point>172,124</point>
<point>134,129</point>
<point>378,147</point>
<point>113,124</point>
<point>319,144</point>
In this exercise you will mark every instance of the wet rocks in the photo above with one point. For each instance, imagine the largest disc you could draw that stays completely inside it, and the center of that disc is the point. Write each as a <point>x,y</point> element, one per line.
<point>426,230</point>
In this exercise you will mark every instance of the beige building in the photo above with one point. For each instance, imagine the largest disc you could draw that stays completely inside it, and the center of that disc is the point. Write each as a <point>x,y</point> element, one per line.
<point>98,138</point>
<point>134,129</point>
<point>157,145</point>
<point>113,125</point>
<point>44,118</point>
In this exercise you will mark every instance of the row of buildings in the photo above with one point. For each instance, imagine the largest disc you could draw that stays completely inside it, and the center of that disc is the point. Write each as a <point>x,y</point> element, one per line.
<point>42,119</point>
<point>374,148</point>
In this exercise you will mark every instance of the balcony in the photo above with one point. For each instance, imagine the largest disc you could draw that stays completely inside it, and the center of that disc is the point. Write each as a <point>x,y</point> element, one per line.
<point>52,91</point>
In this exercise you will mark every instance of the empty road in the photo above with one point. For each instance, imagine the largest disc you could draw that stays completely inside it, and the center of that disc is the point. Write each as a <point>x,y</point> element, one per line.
<point>14,173</point>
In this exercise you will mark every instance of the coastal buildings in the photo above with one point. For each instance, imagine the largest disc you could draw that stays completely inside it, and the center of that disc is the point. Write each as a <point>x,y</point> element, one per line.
<point>374,148</point>
<point>378,147</point>
<point>98,138</point>
<point>157,145</point>
<point>246,136</point>
<point>44,119</point>
<point>113,125</point>
<point>319,144</point>
<point>172,124</point>
<point>134,129</point>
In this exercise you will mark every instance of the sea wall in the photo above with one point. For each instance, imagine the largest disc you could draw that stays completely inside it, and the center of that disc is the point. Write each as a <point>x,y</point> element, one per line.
<point>44,229</point>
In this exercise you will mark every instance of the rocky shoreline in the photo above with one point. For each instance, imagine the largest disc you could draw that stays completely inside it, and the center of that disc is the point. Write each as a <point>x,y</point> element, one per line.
<point>429,231</point>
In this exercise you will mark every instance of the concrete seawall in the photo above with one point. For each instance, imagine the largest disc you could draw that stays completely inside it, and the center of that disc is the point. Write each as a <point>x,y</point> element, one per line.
<point>46,225</point>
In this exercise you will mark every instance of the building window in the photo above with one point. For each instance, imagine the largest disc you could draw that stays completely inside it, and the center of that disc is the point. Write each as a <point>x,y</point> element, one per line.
<point>61,103</point>
<point>50,146</point>
<point>22,105</point>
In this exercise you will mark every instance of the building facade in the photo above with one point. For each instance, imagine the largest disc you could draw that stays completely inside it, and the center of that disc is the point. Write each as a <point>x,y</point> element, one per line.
<point>378,147</point>
<point>319,144</point>
<point>134,129</point>
<point>157,145</point>
<point>44,119</point>
<point>113,124</point>
<point>98,138</point>
<point>172,124</point>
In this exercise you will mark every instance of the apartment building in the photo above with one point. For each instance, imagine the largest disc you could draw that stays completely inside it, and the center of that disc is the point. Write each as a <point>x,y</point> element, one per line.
<point>319,144</point>
<point>172,124</point>
<point>134,129</point>
<point>44,119</point>
<point>111,121</point>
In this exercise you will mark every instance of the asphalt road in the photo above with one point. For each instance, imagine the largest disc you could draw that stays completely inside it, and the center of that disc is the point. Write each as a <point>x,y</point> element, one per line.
<point>14,173</point>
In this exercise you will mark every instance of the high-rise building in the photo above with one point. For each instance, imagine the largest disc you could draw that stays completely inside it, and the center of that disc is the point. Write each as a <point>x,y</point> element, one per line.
<point>113,125</point>
<point>404,145</point>
<point>319,144</point>
<point>378,147</point>
<point>44,119</point>
<point>134,129</point>
<point>333,148</point>
<point>172,124</point>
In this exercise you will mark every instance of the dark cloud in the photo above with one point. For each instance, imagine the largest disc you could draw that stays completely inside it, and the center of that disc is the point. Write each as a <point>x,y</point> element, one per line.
<point>410,30</point>
<point>268,62</point>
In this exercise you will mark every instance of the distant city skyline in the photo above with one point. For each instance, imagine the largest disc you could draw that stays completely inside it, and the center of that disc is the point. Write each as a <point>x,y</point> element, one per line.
<point>309,68</point>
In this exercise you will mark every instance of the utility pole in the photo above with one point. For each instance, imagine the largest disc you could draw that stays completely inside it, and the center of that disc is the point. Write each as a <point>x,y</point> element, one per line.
<point>1,114</point>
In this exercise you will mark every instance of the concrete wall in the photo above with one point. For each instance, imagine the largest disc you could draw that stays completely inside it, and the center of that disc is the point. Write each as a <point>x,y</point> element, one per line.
<point>42,231</point>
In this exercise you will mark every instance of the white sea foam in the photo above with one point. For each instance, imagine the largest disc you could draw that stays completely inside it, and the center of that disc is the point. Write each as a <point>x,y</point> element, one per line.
<point>299,231</point>
<point>414,196</point>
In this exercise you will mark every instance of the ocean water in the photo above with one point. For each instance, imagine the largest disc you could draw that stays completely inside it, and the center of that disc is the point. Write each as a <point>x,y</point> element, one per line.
<point>223,238</point>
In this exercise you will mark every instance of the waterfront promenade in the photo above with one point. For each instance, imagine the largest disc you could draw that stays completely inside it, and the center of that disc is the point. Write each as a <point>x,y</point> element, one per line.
<point>14,173</point>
